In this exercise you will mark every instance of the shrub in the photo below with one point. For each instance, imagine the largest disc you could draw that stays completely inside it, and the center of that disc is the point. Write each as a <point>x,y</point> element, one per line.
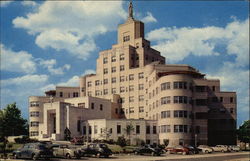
<point>121,141</point>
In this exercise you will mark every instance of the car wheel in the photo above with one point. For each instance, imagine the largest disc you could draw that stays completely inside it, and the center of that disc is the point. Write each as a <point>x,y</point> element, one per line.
<point>68,156</point>
<point>15,156</point>
<point>98,155</point>
<point>153,153</point>
<point>34,157</point>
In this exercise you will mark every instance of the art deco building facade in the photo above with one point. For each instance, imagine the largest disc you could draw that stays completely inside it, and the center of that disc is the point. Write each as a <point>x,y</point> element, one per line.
<point>185,107</point>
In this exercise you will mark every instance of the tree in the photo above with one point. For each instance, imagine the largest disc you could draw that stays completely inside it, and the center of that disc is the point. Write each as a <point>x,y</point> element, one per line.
<point>121,141</point>
<point>11,123</point>
<point>244,131</point>
<point>67,134</point>
<point>106,133</point>
<point>129,128</point>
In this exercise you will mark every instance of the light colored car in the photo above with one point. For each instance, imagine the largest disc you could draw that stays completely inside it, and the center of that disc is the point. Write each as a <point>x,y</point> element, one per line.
<point>66,151</point>
<point>221,148</point>
<point>234,148</point>
<point>205,149</point>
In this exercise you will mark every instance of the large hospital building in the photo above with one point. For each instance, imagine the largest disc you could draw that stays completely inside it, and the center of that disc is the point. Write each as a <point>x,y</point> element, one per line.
<point>133,86</point>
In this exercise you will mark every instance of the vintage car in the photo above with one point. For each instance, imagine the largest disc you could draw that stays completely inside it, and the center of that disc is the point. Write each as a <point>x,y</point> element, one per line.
<point>234,148</point>
<point>221,148</point>
<point>33,151</point>
<point>177,149</point>
<point>97,150</point>
<point>66,151</point>
<point>148,149</point>
<point>192,149</point>
<point>205,149</point>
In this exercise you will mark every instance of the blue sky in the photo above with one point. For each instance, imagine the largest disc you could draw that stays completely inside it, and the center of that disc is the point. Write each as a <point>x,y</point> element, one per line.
<point>44,44</point>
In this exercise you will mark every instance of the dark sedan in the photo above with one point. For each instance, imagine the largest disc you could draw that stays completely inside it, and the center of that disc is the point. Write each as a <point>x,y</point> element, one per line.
<point>148,149</point>
<point>97,150</point>
<point>192,150</point>
<point>33,151</point>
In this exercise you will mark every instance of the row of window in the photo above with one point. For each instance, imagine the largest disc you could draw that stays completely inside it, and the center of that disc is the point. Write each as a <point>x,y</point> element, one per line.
<point>177,113</point>
<point>34,124</point>
<point>113,69</point>
<point>177,129</point>
<point>34,114</point>
<point>34,104</point>
<point>113,58</point>
<point>119,129</point>
<point>75,94</point>
<point>177,99</point>
<point>113,90</point>
<point>113,80</point>
<point>34,133</point>
<point>93,106</point>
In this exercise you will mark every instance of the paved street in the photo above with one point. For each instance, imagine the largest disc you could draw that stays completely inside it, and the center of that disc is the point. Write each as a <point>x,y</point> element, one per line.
<point>239,156</point>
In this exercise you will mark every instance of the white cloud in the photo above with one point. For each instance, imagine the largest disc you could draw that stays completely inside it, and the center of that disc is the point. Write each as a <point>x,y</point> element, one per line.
<point>149,18</point>
<point>178,43</point>
<point>25,80</point>
<point>88,71</point>
<point>20,61</point>
<point>5,3</point>
<point>49,64</point>
<point>29,3</point>
<point>71,26</point>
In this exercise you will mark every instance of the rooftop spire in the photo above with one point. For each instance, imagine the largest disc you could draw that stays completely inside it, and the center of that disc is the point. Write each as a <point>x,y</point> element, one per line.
<point>130,10</point>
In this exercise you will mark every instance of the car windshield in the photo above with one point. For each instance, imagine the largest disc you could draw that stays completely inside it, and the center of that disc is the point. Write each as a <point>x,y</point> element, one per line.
<point>103,145</point>
<point>42,147</point>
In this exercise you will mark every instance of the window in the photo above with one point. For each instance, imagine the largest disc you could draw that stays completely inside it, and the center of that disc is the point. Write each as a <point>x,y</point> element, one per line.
<point>89,93</point>
<point>113,80</point>
<point>105,60</point>
<point>157,90</point>
<point>131,99</point>
<point>213,88</point>
<point>78,125</point>
<point>137,129</point>
<point>122,78</point>
<point>165,100</point>
<point>122,89</point>
<point>165,86</point>
<point>231,110</point>
<point>61,94</point>
<point>113,69</point>
<point>131,88</point>
<point>147,129</point>
<point>122,100</point>
<point>180,99</point>
<point>97,82</point>
<point>113,90</point>
<point>97,92</point>
<point>126,38</point>
<point>201,102</point>
<point>95,129</point>
<point>131,110</point>
<point>34,104</point>
<point>221,99</point>
<point>165,128</point>
<point>122,68</point>
<point>105,71</point>
<point>75,94</point>
<point>180,128</point>
<point>34,124</point>
<point>231,100</point>
<point>113,59</point>
<point>122,57</point>
<point>89,84</point>
<point>92,105</point>
<point>141,98</point>
<point>180,85</point>
<point>82,105</point>
<point>165,114</point>
<point>84,130</point>
<point>141,109</point>
<point>200,88</point>
<point>34,114</point>
<point>154,129</point>
<point>90,130</point>
<point>118,128</point>
<point>141,86</point>
<point>182,114</point>
<point>140,76</point>
<point>105,91</point>
<point>131,76</point>
<point>34,133</point>
<point>105,81</point>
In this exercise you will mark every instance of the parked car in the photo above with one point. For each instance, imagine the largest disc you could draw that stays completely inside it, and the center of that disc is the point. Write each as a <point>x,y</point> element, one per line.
<point>177,149</point>
<point>221,148</point>
<point>192,150</point>
<point>148,149</point>
<point>66,151</point>
<point>205,149</point>
<point>234,148</point>
<point>33,151</point>
<point>96,149</point>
